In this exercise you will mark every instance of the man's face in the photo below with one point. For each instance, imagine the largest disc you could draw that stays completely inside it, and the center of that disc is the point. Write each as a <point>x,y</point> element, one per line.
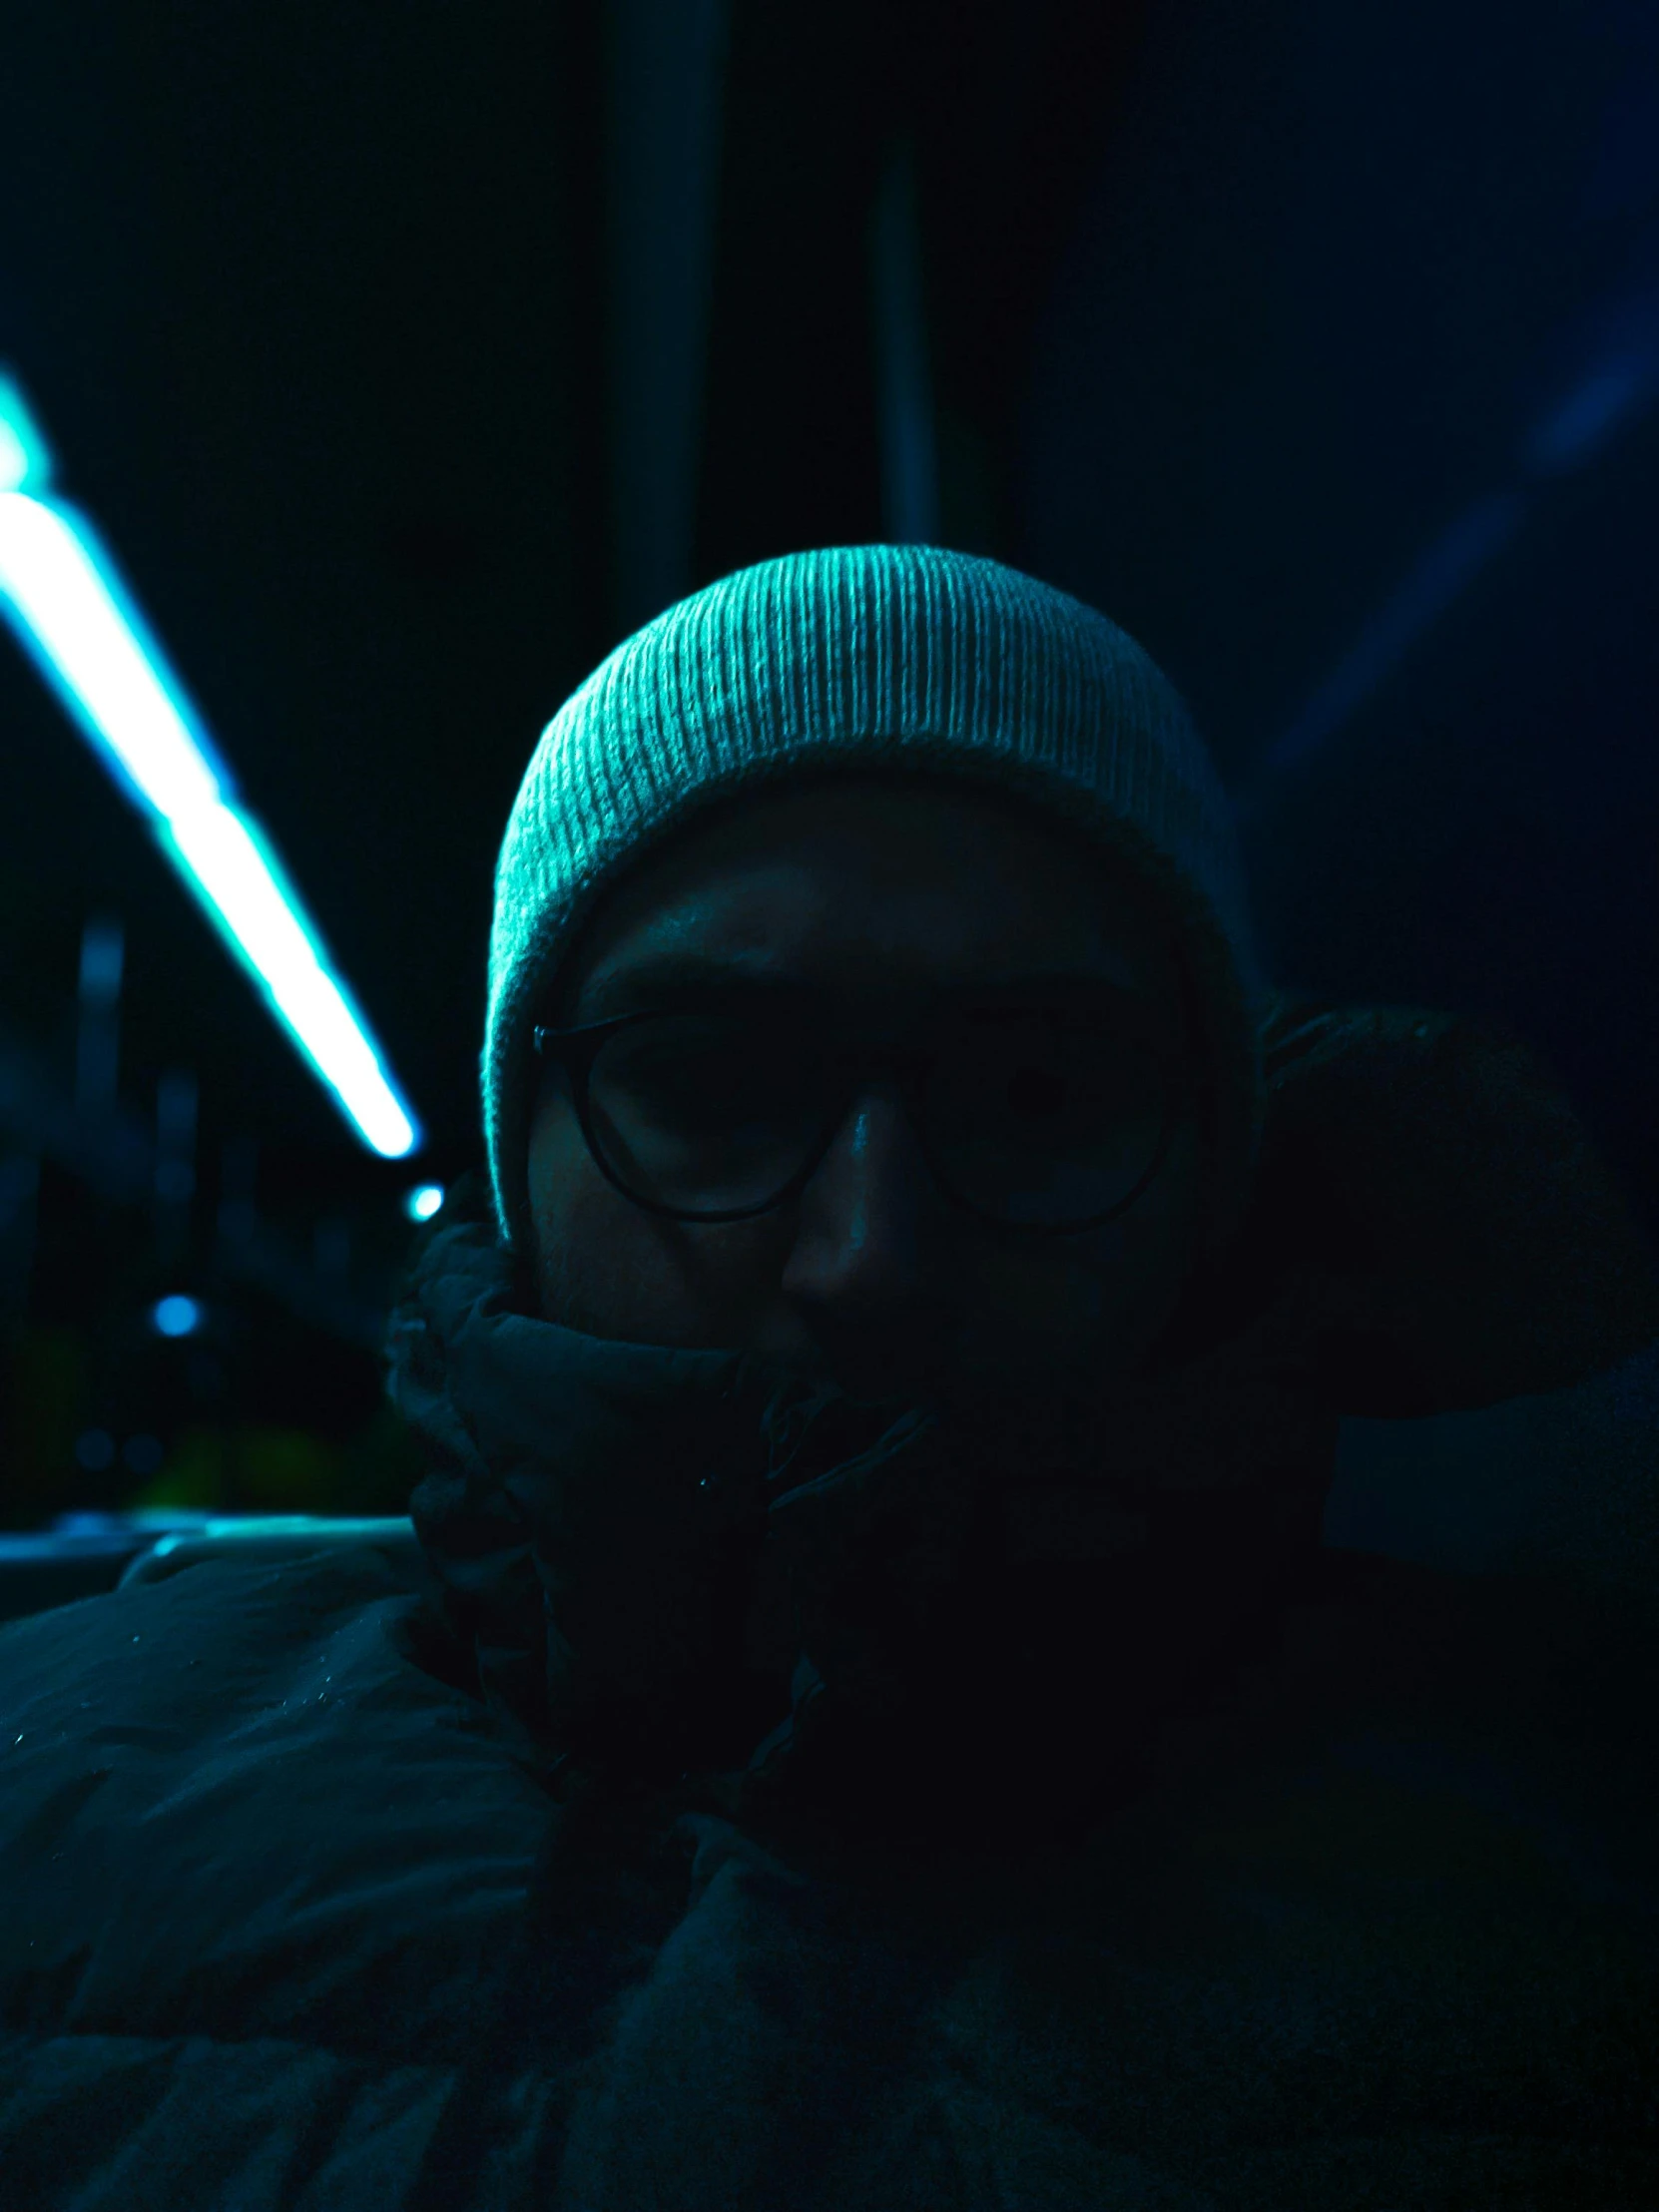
<point>886,901</point>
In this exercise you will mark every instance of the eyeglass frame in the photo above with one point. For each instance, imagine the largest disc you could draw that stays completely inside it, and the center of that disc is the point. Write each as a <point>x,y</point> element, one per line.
<point>574,1051</point>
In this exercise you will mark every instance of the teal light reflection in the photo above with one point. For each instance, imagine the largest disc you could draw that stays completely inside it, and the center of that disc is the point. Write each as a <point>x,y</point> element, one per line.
<point>66,602</point>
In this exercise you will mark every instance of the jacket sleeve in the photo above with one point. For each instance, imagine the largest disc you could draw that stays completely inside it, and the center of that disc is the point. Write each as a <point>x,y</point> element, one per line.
<point>1431,1228</point>
<point>156,2124</point>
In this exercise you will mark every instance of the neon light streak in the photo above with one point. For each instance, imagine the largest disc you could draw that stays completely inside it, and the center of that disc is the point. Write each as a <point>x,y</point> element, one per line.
<point>69,612</point>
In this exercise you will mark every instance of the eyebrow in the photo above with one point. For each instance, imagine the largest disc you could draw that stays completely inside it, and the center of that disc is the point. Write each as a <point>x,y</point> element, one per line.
<point>689,978</point>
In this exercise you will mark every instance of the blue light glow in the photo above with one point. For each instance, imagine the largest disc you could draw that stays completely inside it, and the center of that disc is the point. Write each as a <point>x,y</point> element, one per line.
<point>177,1317</point>
<point>1454,557</point>
<point>1586,418</point>
<point>70,611</point>
<point>423,1201</point>
<point>24,460</point>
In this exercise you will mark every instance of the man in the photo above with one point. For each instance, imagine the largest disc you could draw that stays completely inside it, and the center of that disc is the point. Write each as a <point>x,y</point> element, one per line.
<point>882,1729</point>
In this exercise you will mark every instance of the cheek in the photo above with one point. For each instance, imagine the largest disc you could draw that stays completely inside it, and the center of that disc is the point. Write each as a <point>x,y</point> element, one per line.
<point>562,1205</point>
<point>560,1171</point>
<point>1110,1292</point>
<point>594,1258</point>
<point>606,1267</point>
<point>1091,1301</point>
<point>1070,1292</point>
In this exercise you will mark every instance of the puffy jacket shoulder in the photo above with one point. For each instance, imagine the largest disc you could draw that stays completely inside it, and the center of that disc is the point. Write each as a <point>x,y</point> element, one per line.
<point>266,1865</point>
<point>1431,1226</point>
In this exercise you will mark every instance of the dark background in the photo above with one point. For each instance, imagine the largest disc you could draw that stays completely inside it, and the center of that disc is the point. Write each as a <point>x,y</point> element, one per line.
<point>408,358</point>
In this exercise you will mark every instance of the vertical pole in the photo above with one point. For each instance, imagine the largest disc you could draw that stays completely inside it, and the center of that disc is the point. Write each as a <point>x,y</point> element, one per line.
<point>666,61</point>
<point>904,391</point>
<point>175,1112</point>
<point>239,1168</point>
<point>98,1032</point>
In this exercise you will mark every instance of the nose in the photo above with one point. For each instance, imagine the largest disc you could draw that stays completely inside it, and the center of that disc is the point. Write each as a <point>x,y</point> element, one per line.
<point>866,1267</point>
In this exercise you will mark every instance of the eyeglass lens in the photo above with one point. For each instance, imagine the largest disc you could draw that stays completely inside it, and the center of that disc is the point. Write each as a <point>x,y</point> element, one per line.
<point>1036,1117</point>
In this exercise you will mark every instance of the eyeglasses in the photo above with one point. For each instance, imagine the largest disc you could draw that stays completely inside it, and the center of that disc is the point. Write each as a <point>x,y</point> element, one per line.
<point>1049,1120</point>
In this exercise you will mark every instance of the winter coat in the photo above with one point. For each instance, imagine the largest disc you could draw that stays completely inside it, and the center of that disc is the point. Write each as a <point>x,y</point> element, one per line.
<point>739,1809</point>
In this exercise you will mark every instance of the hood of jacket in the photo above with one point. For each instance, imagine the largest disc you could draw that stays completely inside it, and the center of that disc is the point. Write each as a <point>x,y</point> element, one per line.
<point>665,1563</point>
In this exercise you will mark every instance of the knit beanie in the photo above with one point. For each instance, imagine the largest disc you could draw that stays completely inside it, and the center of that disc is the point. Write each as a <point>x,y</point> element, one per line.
<point>892,658</point>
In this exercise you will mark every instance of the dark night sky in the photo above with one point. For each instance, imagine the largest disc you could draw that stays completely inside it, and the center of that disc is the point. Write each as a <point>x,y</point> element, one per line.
<point>1233,311</point>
